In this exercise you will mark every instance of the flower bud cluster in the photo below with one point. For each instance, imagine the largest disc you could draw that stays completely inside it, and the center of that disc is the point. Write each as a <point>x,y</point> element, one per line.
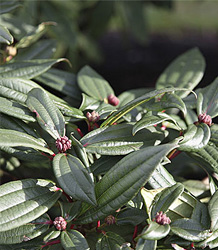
<point>113,100</point>
<point>204,118</point>
<point>93,117</point>
<point>63,144</point>
<point>60,223</point>
<point>162,219</point>
<point>110,220</point>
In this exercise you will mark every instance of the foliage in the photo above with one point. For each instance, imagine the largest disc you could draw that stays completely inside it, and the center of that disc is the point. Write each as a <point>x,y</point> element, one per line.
<point>84,169</point>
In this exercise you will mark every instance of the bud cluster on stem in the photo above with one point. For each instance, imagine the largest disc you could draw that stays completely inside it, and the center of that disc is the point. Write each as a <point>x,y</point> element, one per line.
<point>63,144</point>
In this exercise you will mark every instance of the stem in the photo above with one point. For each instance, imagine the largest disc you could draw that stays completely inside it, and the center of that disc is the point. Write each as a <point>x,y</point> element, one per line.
<point>68,197</point>
<point>135,232</point>
<point>173,154</point>
<point>80,132</point>
<point>49,157</point>
<point>51,243</point>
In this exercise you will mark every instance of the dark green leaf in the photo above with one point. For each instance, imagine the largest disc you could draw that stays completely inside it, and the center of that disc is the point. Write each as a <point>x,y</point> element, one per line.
<point>73,240</point>
<point>48,115</point>
<point>8,5</point>
<point>25,232</point>
<point>185,71</point>
<point>213,211</point>
<point>27,69</point>
<point>23,201</point>
<point>189,229</point>
<point>74,178</point>
<point>196,137</point>
<point>146,244</point>
<point>155,231</point>
<point>93,84</point>
<point>5,36</point>
<point>207,99</point>
<point>165,199</point>
<point>12,138</point>
<point>15,109</point>
<point>109,241</point>
<point>118,186</point>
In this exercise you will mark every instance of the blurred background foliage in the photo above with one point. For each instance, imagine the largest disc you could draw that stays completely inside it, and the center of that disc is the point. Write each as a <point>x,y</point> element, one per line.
<point>128,42</point>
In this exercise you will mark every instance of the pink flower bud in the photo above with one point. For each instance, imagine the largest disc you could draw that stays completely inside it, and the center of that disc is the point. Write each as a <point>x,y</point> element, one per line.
<point>60,223</point>
<point>113,100</point>
<point>93,117</point>
<point>63,144</point>
<point>110,220</point>
<point>204,118</point>
<point>162,219</point>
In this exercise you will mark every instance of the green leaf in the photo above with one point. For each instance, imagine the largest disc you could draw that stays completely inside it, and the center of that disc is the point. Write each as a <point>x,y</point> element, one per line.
<point>133,216</point>
<point>214,134</point>
<point>189,229</point>
<point>48,115</point>
<point>8,5</point>
<point>12,138</point>
<point>146,244</point>
<point>27,69</point>
<point>24,201</point>
<point>62,81</point>
<point>185,71</point>
<point>93,84</point>
<point>167,101</point>
<point>118,186</point>
<point>135,103</point>
<point>118,139</point>
<point>155,231</point>
<point>213,211</point>
<point>5,36</point>
<point>196,137</point>
<point>89,103</point>
<point>16,88</point>
<point>73,240</point>
<point>74,178</point>
<point>207,99</point>
<point>165,198</point>
<point>109,241</point>
<point>15,109</point>
<point>211,242</point>
<point>25,232</point>
<point>33,36</point>
<point>151,120</point>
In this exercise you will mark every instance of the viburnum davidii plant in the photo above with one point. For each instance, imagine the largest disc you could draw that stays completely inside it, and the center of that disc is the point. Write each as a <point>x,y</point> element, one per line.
<point>85,169</point>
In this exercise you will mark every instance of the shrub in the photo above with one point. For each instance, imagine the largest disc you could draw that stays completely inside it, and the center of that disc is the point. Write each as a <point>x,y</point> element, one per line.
<point>84,169</point>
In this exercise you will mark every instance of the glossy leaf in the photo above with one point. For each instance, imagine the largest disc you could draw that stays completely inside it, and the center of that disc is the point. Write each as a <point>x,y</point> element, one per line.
<point>213,211</point>
<point>91,83</point>
<point>62,81</point>
<point>24,201</point>
<point>25,232</point>
<point>185,71</point>
<point>74,178</point>
<point>16,88</point>
<point>12,138</point>
<point>109,240</point>
<point>189,229</point>
<point>196,137</point>
<point>164,199</point>
<point>151,120</point>
<point>214,134</point>
<point>15,109</point>
<point>146,244</point>
<point>155,231</point>
<point>118,139</point>
<point>207,99</point>
<point>48,115</point>
<point>135,103</point>
<point>117,187</point>
<point>5,36</point>
<point>73,240</point>
<point>27,69</point>
<point>8,5</point>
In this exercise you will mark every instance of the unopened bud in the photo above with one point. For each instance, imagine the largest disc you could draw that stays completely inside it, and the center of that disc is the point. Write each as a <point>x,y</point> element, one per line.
<point>113,100</point>
<point>60,223</point>
<point>110,220</point>
<point>93,117</point>
<point>63,144</point>
<point>204,118</point>
<point>162,219</point>
<point>11,51</point>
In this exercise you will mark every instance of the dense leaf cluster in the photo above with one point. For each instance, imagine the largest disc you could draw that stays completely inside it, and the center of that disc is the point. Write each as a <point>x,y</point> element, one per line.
<point>117,184</point>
